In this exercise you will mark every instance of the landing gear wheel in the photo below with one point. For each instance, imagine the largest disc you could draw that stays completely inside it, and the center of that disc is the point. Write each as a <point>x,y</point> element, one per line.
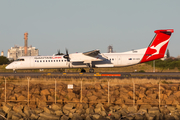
<point>91,70</point>
<point>83,70</point>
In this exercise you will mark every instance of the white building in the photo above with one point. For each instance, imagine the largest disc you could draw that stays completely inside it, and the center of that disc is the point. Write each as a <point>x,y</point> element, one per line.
<point>164,58</point>
<point>2,53</point>
<point>18,51</point>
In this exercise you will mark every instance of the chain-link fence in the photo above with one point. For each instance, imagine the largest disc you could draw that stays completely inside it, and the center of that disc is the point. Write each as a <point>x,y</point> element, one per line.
<point>41,92</point>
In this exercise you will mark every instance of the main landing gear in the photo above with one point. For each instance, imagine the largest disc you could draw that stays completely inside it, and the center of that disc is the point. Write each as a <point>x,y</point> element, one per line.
<point>91,70</point>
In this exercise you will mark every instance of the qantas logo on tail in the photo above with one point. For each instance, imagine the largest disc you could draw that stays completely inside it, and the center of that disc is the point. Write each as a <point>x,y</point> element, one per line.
<point>157,48</point>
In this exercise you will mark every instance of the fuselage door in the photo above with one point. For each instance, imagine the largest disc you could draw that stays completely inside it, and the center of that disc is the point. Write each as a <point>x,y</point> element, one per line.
<point>119,61</point>
<point>32,62</point>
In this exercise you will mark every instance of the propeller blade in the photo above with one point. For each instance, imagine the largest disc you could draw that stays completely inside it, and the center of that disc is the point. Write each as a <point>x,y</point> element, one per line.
<point>67,55</point>
<point>58,52</point>
<point>67,51</point>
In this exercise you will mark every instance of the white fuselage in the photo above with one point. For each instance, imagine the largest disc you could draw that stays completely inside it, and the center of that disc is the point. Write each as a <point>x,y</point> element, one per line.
<point>78,60</point>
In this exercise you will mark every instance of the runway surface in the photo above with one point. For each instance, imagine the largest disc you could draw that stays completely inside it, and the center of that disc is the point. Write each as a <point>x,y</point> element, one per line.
<point>149,75</point>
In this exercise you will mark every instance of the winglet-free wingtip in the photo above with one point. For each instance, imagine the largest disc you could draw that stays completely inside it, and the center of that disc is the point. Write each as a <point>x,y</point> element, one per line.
<point>164,31</point>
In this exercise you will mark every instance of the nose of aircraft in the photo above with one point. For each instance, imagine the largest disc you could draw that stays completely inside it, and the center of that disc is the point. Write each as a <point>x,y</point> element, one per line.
<point>8,67</point>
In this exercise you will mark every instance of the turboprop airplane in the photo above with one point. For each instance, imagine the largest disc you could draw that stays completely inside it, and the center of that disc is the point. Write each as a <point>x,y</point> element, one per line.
<point>94,58</point>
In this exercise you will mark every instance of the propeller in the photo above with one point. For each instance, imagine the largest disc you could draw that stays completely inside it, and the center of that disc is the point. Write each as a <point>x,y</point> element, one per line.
<point>67,56</point>
<point>59,53</point>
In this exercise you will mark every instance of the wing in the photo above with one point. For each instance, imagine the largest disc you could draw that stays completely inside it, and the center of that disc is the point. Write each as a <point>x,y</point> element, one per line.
<point>87,57</point>
<point>92,53</point>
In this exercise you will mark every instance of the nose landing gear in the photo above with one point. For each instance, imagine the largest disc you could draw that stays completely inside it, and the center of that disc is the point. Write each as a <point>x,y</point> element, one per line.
<point>14,71</point>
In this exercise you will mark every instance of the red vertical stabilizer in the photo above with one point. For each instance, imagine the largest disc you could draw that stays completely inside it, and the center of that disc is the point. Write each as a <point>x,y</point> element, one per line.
<point>158,45</point>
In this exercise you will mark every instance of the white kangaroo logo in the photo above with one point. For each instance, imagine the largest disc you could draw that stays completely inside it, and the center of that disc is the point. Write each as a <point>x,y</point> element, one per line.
<point>158,47</point>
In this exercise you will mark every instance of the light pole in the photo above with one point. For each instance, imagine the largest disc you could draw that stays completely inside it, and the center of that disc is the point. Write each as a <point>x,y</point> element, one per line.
<point>154,70</point>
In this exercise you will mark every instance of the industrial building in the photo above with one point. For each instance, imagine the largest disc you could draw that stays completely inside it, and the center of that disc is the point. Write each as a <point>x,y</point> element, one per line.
<point>110,49</point>
<point>15,52</point>
<point>18,51</point>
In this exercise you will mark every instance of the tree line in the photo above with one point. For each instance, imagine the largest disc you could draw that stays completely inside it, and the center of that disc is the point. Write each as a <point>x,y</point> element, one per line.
<point>4,60</point>
<point>169,63</point>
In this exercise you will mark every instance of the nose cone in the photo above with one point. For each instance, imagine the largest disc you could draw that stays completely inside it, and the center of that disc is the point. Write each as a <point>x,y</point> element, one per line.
<point>8,67</point>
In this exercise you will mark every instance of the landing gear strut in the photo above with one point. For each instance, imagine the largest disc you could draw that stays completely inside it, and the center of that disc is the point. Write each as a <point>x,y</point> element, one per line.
<point>91,70</point>
<point>14,70</point>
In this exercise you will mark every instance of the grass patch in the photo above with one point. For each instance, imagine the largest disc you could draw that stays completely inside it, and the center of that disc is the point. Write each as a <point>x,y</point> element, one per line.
<point>166,82</point>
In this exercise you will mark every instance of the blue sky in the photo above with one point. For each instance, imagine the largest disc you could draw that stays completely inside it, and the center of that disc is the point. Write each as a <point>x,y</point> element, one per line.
<point>81,25</point>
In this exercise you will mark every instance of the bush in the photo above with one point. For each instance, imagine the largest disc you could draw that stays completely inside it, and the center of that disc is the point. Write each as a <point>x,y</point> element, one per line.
<point>166,64</point>
<point>3,60</point>
<point>142,71</point>
<point>164,82</point>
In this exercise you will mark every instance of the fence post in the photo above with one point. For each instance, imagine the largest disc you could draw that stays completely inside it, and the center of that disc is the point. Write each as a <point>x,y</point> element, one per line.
<point>81,92</point>
<point>159,94</point>
<point>55,90</point>
<point>5,89</point>
<point>108,92</point>
<point>28,90</point>
<point>133,93</point>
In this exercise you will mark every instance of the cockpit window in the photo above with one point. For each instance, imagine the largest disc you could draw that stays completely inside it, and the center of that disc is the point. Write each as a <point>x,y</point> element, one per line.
<point>20,60</point>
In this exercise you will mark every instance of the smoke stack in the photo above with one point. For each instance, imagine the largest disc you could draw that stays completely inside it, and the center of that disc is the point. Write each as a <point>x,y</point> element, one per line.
<point>25,43</point>
<point>110,49</point>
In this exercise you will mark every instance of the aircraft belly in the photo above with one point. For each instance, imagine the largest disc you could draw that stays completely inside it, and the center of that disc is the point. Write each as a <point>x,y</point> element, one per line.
<point>104,65</point>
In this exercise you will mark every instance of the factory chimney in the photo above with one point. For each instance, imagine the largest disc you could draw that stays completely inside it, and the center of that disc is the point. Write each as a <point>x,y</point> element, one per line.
<point>110,49</point>
<point>25,43</point>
